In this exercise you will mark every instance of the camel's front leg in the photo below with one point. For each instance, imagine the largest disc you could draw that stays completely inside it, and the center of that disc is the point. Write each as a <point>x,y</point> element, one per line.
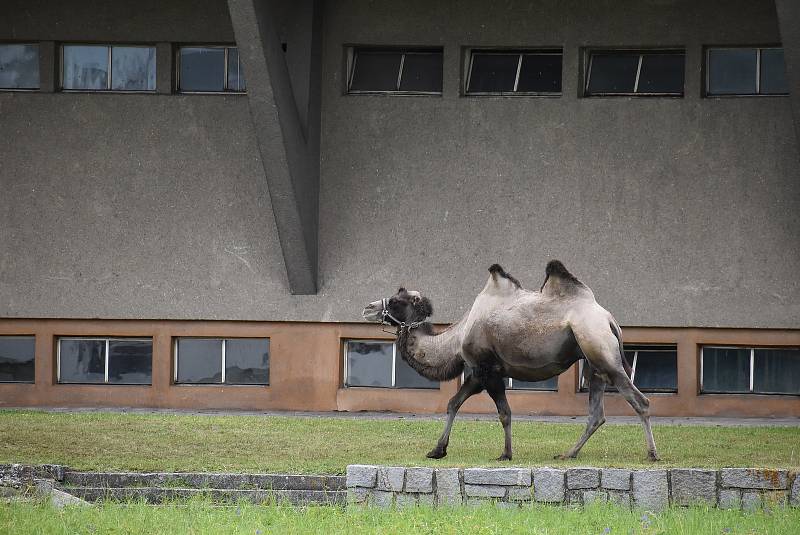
<point>496,387</point>
<point>470,387</point>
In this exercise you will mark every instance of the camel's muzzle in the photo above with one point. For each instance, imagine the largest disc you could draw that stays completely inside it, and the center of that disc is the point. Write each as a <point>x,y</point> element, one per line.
<point>374,311</point>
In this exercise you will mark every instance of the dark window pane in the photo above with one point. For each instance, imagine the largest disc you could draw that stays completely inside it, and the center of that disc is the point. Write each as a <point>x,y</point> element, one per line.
<point>493,73</point>
<point>133,68</point>
<point>130,362</point>
<point>547,384</point>
<point>85,67</point>
<point>247,361</point>
<point>773,72</point>
<point>202,69</point>
<point>776,371</point>
<point>732,71</point>
<point>540,73</point>
<point>407,377</point>
<point>82,361</point>
<point>726,369</point>
<point>19,66</point>
<point>369,364</point>
<point>199,361</point>
<point>656,370</point>
<point>422,72</point>
<point>375,71</point>
<point>235,71</point>
<point>661,73</point>
<point>612,73</point>
<point>16,359</point>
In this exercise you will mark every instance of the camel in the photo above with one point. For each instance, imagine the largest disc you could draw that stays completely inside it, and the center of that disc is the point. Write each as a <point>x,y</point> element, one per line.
<point>518,333</point>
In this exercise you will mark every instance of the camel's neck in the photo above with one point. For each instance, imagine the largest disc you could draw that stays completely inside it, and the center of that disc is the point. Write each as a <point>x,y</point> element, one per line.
<point>435,356</point>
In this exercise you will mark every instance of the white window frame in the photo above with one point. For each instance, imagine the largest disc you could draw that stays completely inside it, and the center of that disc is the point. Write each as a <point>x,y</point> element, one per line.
<point>108,89</point>
<point>223,360</point>
<point>352,59</point>
<point>752,366</point>
<point>513,52</point>
<point>590,53</point>
<point>645,348</point>
<point>225,90</point>
<point>758,92</point>
<point>107,344</point>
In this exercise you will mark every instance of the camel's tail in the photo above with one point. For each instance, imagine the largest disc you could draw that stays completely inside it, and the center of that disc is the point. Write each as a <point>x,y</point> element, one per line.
<point>618,333</point>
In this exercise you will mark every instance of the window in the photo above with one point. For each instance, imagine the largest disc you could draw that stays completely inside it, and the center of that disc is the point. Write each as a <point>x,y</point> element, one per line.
<point>19,66</point>
<point>745,71</point>
<point>210,69</point>
<point>550,384</point>
<point>105,360</point>
<point>383,70</point>
<point>108,68</point>
<point>231,361</point>
<point>493,72</point>
<point>376,363</point>
<point>17,359</point>
<point>632,73</point>
<point>734,370</point>
<point>654,368</point>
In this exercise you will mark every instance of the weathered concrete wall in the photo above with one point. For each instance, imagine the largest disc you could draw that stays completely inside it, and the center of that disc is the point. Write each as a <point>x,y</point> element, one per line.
<point>677,212</point>
<point>728,488</point>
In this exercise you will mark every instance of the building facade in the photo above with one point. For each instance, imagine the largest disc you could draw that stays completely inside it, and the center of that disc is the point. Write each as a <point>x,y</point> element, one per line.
<point>198,199</point>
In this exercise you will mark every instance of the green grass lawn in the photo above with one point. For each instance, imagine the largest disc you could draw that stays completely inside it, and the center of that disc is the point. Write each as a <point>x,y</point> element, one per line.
<point>168,442</point>
<point>199,517</point>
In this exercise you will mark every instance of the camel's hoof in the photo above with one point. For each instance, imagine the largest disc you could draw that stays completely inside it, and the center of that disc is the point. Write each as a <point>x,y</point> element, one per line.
<point>504,457</point>
<point>436,453</point>
<point>563,457</point>
<point>653,457</point>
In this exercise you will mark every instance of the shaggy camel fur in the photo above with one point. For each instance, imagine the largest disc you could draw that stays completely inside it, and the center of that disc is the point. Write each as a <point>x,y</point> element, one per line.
<point>523,334</point>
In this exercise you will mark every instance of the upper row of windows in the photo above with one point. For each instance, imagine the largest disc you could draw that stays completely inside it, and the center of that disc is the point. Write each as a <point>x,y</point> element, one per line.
<point>729,71</point>
<point>214,69</point>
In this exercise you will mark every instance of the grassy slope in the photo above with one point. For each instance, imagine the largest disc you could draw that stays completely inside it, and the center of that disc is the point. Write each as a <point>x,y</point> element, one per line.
<point>201,518</point>
<point>97,441</point>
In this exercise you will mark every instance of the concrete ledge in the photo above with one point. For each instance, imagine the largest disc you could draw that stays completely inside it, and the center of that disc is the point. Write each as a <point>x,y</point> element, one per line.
<point>730,488</point>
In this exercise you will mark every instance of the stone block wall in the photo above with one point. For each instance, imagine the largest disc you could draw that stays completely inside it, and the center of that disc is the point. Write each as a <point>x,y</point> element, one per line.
<point>745,488</point>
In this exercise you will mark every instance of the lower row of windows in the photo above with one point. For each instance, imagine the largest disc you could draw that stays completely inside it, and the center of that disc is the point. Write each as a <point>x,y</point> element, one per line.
<point>374,363</point>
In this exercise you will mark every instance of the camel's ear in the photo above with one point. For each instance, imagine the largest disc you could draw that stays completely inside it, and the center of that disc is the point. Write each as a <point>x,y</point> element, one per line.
<point>424,306</point>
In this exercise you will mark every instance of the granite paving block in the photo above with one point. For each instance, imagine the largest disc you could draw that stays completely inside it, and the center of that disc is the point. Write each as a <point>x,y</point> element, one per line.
<point>752,478</point>
<point>548,484</point>
<point>583,478</point>
<point>519,494</point>
<point>381,498</point>
<point>497,476</point>
<point>751,500</point>
<point>391,478</point>
<point>620,497</point>
<point>448,486</point>
<point>650,489</point>
<point>484,491</point>
<point>692,486</point>
<point>794,497</point>
<point>361,475</point>
<point>615,479</point>
<point>419,480</point>
<point>730,499</point>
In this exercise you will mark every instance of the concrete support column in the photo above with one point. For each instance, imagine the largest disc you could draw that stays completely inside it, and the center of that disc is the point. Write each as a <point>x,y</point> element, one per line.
<point>789,22</point>
<point>48,66</point>
<point>291,164</point>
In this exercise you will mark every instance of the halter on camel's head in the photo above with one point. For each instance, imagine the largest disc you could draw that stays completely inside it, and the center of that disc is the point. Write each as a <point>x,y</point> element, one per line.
<point>405,310</point>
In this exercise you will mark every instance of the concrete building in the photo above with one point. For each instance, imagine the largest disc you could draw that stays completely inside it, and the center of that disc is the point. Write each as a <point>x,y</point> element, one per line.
<point>199,198</point>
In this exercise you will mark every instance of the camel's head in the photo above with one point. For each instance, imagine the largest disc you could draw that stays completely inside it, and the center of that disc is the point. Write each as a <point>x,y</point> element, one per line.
<point>404,307</point>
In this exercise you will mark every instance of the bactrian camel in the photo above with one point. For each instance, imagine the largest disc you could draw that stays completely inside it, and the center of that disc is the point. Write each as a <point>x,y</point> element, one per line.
<point>518,333</point>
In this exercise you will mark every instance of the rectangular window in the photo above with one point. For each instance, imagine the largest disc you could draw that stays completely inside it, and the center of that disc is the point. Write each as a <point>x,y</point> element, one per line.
<point>745,71</point>
<point>108,68</point>
<point>19,66</point>
<point>210,69</point>
<point>121,361</point>
<point>635,73</point>
<point>231,361</point>
<point>654,368</point>
<point>17,359</point>
<point>385,70</point>
<point>550,384</point>
<point>742,370</point>
<point>495,72</point>
<point>378,364</point>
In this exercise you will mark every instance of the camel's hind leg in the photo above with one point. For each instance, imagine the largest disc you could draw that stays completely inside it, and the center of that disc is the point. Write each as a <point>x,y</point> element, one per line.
<point>641,405</point>
<point>597,387</point>
<point>470,387</point>
<point>496,387</point>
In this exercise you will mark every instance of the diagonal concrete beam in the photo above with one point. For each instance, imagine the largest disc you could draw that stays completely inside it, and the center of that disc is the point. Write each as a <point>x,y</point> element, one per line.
<point>290,161</point>
<point>789,22</point>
